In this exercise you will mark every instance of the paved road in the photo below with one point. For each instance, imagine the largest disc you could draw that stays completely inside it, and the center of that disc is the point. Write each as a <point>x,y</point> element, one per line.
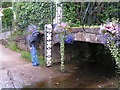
<point>17,73</point>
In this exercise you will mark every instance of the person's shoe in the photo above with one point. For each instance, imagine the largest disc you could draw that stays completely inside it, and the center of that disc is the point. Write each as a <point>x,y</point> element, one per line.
<point>35,64</point>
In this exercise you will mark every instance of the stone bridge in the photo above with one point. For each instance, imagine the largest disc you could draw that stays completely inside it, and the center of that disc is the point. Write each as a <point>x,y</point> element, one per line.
<point>88,34</point>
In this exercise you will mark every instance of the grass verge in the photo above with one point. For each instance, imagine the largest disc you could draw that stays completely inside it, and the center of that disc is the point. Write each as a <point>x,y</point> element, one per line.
<point>24,54</point>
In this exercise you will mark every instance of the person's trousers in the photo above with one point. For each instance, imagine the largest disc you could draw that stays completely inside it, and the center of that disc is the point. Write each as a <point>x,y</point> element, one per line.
<point>34,57</point>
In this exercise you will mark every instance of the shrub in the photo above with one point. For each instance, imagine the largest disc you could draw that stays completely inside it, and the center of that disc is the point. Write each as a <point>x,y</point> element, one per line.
<point>8,17</point>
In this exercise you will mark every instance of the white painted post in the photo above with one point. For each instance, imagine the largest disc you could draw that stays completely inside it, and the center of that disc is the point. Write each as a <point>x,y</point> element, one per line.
<point>48,44</point>
<point>0,23</point>
<point>1,14</point>
<point>58,16</point>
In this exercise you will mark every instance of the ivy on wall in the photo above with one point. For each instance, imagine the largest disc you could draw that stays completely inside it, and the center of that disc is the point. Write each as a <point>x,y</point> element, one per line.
<point>6,4</point>
<point>41,13</point>
<point>37,13</point>
<point>95,13</point>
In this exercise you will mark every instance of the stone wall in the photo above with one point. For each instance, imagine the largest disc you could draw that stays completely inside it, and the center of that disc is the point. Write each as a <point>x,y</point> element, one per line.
<point>21,42</point>
<point>4,35</point>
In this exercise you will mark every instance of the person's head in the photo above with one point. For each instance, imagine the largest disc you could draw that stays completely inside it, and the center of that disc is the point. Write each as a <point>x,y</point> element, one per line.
<point>32,27</point>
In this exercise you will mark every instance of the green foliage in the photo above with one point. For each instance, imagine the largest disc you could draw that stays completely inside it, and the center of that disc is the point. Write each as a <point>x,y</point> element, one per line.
<point>40,13</point>
<point>17,32</point>
<point>26,54</point>
<point>69,13</point>
<point>41,60</point>
<point>115,52</point>
<point>111,40</point>
<point>97,13</point>
<point>62,52</point>
<point>37,13</point>
<point>6,4</point>
<point>7,18</point>
<point>63,30</point>
<point>12,46</point>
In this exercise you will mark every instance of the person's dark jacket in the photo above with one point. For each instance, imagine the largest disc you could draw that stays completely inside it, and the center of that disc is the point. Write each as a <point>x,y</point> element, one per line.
<point>34,38</point>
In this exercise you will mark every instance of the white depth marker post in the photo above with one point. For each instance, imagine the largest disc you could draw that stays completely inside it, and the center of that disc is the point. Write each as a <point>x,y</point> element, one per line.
<point>48,34</point>
<point>48,44</point>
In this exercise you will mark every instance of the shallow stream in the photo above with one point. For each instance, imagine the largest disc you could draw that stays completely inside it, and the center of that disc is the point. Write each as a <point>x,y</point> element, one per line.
<point>82,75</point>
